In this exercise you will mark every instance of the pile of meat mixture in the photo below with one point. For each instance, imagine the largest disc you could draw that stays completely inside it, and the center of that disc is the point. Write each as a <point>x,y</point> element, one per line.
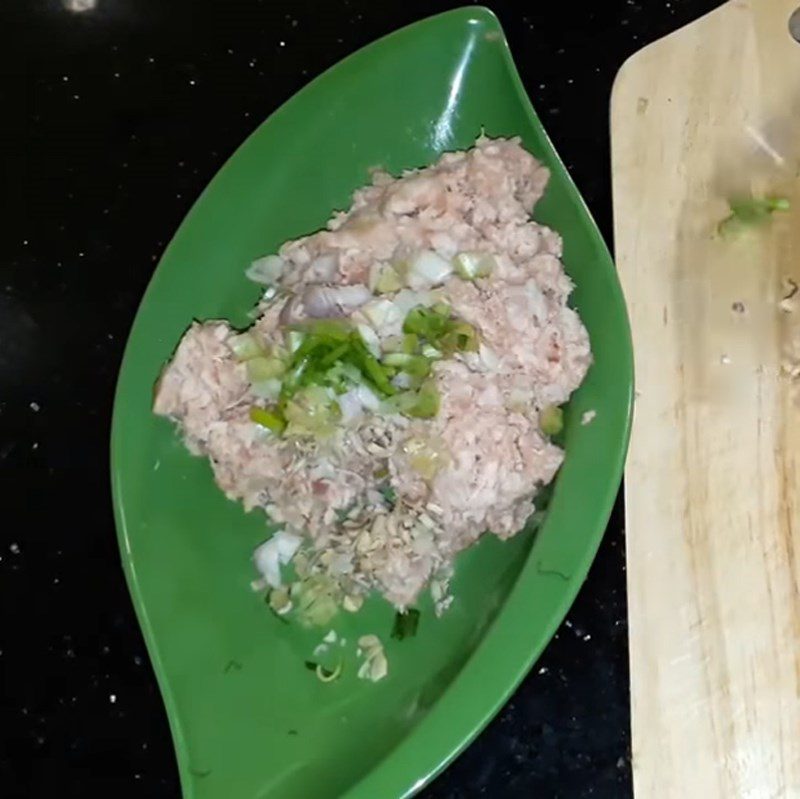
<point>397,394</point>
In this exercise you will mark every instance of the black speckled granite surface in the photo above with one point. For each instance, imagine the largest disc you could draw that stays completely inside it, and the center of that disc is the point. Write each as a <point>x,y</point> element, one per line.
<point>116,117</point>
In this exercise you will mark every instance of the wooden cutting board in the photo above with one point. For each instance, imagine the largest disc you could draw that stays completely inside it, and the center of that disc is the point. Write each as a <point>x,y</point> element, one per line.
<point>713,477</point>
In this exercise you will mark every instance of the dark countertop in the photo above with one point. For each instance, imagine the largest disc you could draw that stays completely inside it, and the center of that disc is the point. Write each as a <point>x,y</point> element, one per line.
<point>115,118</point>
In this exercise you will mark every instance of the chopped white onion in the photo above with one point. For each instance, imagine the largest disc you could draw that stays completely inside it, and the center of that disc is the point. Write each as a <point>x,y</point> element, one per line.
<point>370,339</point>
<point>266,270</point>
<point>272,554</point>
<point>382,313</point>
<point>322,302</point>
<point>268,389</point>
<point>428,269</point>
<point>354,402</point>
<point>405,300</point>
<point>402,380</point>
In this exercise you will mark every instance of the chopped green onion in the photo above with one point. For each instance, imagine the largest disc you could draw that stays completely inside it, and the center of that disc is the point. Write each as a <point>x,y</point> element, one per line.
<point>371,366</point>
<point>272,421</point>
<point>750,213</point>
<point>462,337</point>
<point>472,265</point>
<point>425,323</point>
<point>405,624</point>
<point>415,365</point>
<point>551,420</point>
<point>410,343</point>
<point>420,404</point>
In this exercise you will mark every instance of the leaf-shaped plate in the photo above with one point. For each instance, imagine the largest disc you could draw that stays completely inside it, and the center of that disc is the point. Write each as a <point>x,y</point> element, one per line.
<point>248,719</point>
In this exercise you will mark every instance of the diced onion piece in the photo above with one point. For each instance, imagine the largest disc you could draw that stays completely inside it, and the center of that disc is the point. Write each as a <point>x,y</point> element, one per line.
<point>427,269</point>
<point>381,313</point>
<point>272,554</point>
<point>472,265</point>
<point>294,338</point>
<point>415,365</point>
<point>420,404</point>
<point>246,346</point>
<point>388,281</point>
<point>267,389</point>
<point>266,270</point>
<point>352,602</point>
<point>370,338</point>
<point>262,368</point>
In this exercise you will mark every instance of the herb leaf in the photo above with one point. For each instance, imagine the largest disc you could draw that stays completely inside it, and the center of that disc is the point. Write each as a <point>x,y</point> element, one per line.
<point>405,624</point>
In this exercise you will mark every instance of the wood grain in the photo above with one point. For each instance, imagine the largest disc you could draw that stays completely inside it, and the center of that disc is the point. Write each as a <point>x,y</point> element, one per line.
<point>713,476</point>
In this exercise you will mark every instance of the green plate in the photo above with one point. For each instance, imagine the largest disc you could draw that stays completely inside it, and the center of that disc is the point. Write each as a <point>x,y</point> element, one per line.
<point>248,720</point>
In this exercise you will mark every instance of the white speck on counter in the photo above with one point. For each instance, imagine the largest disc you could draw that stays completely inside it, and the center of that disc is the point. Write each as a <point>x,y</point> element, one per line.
<point>156,466</point>
<point>192,81</point>
<point>725,360</point>
<point>543,670</point>
<point>35,445</point>
<point>112,698</point>
<point>14,548</point>
<point>35,407</point>
<point>79,6</point>
<point>588,417</point>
